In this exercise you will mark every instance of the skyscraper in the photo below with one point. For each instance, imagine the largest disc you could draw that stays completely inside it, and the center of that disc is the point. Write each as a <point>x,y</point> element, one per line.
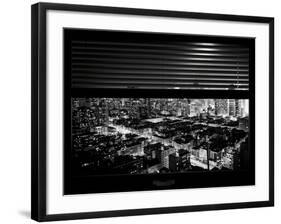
<point>237,107</point>
<point>221,107</point>
<point>231,107</point>
<point>148,107</point>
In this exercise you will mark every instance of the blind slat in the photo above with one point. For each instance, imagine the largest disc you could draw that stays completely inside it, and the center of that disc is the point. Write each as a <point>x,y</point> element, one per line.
<point>160,71</point>
<point>132,62</point>
<point>228,79</point>
<point>161,58</point>
<point>147,68</point>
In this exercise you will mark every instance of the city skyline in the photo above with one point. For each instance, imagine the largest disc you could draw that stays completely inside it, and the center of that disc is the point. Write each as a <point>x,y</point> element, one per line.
<point>155,135</point>
<point>192,107</point>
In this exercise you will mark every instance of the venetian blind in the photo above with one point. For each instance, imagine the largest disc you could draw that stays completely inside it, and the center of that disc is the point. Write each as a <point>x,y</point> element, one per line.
<point>155,63</point>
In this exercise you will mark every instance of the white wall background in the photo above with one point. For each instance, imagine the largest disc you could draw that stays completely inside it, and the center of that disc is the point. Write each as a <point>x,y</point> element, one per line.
<point>15,110</point>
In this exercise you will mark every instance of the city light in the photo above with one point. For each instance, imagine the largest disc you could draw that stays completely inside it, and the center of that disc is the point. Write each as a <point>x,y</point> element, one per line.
<point>155,135</point>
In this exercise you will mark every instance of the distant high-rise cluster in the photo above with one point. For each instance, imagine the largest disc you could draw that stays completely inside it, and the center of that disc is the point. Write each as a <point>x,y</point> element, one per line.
<point>231,107</point>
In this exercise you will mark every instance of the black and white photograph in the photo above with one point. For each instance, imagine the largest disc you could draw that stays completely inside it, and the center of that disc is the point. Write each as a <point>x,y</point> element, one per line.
<point>157,111</point>
<point>150,135</point>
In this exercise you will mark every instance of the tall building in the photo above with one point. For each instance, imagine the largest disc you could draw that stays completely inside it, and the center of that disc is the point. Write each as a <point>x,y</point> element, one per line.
<point>231,107</point>
<point>192,109</point>
<point>244,107</point>
<point>103,112</point>
<point>179,161</point>
<point>173,162</point>
<point>184,159</point>
<point>196,106</point>
<point>148,107</point>
<point>165,152</point>
<point>188,107</point>
<point>123,102</point>
<point>238,107</point>
<point>221,107</point>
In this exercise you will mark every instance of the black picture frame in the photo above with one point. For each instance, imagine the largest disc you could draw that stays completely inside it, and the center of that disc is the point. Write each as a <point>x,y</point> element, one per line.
<point>39,108</point>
